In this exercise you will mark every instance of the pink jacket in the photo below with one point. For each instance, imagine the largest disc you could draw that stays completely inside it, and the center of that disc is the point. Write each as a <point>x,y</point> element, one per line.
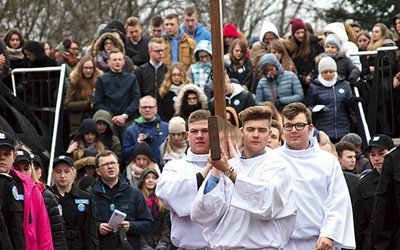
<point>36,222</point>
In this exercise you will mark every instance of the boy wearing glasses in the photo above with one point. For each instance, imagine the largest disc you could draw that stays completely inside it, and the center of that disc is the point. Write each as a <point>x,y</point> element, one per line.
<point>112,192</point>
<point>324,212</point>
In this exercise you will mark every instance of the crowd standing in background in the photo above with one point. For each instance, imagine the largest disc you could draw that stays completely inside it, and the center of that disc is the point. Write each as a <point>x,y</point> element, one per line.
<point>138,139</point>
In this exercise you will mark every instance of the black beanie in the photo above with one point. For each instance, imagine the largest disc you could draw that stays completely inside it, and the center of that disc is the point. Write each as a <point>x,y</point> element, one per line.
<point>144,149</point>
<point>36,49</point>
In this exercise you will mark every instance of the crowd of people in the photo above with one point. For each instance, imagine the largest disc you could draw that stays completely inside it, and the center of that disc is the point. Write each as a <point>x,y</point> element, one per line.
<point>138,141</point>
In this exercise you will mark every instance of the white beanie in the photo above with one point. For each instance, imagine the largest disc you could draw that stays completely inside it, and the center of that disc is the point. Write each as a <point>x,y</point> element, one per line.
<point>177,125</point>
<point>327,63</point>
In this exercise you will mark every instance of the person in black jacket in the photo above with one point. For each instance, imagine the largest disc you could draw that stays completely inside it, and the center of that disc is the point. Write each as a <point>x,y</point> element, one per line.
<point>385,218</point>
<point>77,205</point>
<point>366,188</point>
<point>11,231</point>
<point>36,58</point>
<point>112,192</point>
<point>151,74</point>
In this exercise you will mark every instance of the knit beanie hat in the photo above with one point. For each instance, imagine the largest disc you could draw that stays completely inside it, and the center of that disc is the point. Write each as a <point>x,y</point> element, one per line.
<point>177,125</point>
<point>297,24</point>
<point>230,30</point>
<point>142,149</point>
<point>332,39</point>
<point>326,63</point>
<point>352,138</point>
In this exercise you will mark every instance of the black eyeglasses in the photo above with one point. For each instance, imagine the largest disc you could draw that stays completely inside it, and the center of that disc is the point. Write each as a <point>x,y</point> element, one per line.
<point>299,126</point>
<point>147,107</point>
<point>111,163</point>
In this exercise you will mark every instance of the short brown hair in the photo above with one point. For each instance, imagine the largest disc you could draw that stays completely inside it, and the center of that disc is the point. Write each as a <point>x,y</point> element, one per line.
<point>114,51</point>
<point>104,154</point>
<point>132,21</point>
<point>172,16</point>
<point>199,115</point>
<point>344,145</point>
<point>190,10</point>
<point>156,21</point>
<point>256,113</point>
<point>155,40</point>
<point>291,110</point>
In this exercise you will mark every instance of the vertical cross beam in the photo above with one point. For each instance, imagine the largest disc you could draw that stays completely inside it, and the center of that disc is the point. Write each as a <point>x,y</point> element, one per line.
<point>217,58</point>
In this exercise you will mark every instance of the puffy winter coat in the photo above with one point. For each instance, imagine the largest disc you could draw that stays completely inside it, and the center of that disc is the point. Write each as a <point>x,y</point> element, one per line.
<point>333,119</point>
<point>286,85</point>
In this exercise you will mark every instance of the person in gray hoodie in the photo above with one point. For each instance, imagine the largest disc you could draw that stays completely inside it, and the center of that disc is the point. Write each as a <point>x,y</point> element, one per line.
<point>278,86</point>
<point>105,125</point>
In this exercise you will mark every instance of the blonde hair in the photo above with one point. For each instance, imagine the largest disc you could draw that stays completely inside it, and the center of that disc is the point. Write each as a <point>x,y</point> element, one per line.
<point>146,195</point>
<point>373,45</point>
<point>166,84</point>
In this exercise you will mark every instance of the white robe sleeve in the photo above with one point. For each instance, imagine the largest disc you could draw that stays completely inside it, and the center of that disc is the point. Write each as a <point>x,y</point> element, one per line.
<point>271,196</point>
<point>209,208</point>
<point>177,187</point>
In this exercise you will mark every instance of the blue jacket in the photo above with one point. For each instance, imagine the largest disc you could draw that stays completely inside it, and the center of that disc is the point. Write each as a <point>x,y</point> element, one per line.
<point>140,127</point>
<point>286,84</point>
<point>333,119</point>
<point>199,34</point>
<point>128,200</point>
<point>117,93</point>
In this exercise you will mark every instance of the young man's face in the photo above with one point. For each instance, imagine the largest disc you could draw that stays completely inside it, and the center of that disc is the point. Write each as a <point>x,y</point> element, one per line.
<point>116,62</point>
<point>7,157</point>
<point>190,21</point>
<point>274,139</point>
<point>255,136</point>
<point>377,156</point>
<point>156,31</point>
<point>171,27</point>
<point>198,137</point>
<point>156,52</point>
<point>134,32</point>
<point>348,160</point>
<point>297,139</point>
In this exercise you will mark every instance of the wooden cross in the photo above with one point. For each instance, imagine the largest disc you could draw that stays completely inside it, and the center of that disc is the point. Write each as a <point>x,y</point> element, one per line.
<point>219,129</point>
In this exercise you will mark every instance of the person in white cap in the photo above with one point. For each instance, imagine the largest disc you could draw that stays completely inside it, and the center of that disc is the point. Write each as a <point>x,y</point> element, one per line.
<point>175,146</point>
<point>328,97</point>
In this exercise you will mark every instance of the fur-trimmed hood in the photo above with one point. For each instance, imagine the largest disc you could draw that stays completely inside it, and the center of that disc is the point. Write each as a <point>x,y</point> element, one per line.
<point>84,162</point>
<point>99,44</point>
<point>342,53</point>
<point>200,95</point>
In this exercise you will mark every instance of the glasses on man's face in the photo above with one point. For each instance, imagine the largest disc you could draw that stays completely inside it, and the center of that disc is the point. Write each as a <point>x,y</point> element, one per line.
<point>299,126</point>
<point>158,51</point>
<point>147,107</point>
<point>176,75</point>
<point>111,164</point>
